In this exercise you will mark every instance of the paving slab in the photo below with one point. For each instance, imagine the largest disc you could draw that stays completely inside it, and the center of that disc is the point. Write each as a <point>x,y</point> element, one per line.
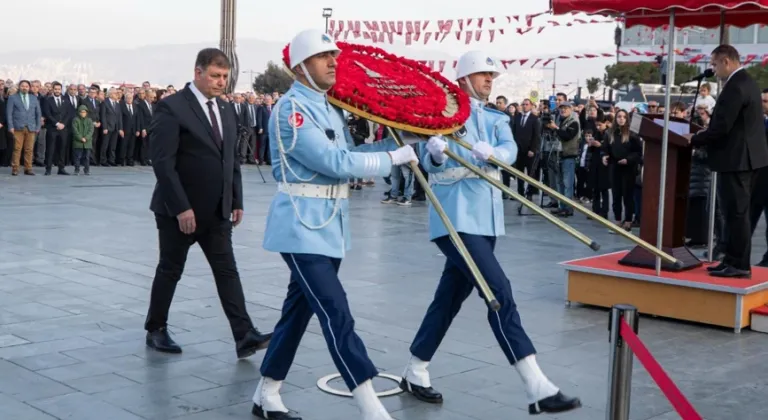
<point>77,257</point>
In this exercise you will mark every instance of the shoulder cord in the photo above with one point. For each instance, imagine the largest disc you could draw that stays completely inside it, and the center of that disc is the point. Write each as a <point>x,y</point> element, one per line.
<point>468,173</point>
<point>284,164</point>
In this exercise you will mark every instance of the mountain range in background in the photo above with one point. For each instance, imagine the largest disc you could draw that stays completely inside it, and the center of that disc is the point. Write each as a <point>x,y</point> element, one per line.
<point>172,65</point>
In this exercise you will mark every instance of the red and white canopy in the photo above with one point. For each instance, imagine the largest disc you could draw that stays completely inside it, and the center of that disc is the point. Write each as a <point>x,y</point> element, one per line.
<point>655,13</point>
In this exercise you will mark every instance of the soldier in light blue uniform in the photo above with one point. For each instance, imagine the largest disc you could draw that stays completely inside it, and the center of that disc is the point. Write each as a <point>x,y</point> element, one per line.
<point>476,209</point>
<point>308,224</point>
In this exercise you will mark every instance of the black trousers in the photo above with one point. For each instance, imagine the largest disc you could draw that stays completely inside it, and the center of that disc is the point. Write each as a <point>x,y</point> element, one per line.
<point>56,148</point>
<point>127,148</point>
<point>600,202</point>
<point>697,223</point>
<point>525,164</point>
<point>736,193</point>
<point>215,239</point>
<point>623,188</point>
<point>108,146</point>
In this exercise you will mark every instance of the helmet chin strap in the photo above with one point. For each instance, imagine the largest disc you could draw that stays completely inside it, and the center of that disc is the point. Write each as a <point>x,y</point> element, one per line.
<point>310,80</point>
<point>471,89</point>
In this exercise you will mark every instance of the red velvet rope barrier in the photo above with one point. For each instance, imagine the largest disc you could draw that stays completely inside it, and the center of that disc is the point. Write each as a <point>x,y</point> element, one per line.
<point>670,390</point>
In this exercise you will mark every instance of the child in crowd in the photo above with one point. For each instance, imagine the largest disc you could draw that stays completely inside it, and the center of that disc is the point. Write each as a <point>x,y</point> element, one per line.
<point>82,143</point>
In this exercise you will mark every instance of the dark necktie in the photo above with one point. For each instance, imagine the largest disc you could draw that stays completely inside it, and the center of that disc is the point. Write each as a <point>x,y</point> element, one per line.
<point>214,124</point>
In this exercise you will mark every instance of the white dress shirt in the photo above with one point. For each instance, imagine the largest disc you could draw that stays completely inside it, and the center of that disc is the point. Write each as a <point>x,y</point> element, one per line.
<point>204,104</point>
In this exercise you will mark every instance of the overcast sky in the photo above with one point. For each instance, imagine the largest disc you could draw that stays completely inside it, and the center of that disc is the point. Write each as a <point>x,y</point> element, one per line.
<point>42,24</point>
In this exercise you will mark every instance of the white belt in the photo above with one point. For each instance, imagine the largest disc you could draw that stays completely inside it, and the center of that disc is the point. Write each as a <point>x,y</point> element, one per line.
<point>328,192</point>
<point>457,174</point>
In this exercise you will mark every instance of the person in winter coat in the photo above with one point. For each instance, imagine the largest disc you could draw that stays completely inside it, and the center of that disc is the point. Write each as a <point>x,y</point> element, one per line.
<point>82,135</point>
<point>599,175</point>
<point>624,150</point>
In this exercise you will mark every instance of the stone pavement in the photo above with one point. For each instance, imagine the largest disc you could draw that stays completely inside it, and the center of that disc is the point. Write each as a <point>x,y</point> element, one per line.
<point>77,256</point>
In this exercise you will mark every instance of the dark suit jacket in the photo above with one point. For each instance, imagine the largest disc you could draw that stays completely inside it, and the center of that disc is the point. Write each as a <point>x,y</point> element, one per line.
<point>735,138</point>
<point>56,114</point>
<point>241,116</point>
<point>111,116</point>
<point>264,118</point>
<point>71,110</point>
<point>94,112</point>
<point>131,121</point>
<point>192,172</point>
<point>146,113</point>
<point>528,137</point>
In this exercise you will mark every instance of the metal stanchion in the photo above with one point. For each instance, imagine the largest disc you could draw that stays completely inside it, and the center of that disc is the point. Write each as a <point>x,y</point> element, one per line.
<point>712,215</point>
<point>620,368</point>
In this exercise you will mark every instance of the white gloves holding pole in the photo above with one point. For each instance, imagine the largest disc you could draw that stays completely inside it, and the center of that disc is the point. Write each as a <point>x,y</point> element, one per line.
<point>482,151</point>
<point>436,147</point>
<point>403,155</point>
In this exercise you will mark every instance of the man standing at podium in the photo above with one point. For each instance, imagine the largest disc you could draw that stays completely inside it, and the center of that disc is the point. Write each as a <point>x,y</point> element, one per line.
<point>737,149</point>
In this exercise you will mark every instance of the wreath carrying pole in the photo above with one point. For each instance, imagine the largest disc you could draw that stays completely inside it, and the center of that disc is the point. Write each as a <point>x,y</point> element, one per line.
<point>454,235</point>
<point>520,175</point>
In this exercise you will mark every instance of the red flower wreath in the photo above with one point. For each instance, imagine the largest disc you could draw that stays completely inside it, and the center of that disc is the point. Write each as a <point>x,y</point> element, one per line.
<point>395,88</point>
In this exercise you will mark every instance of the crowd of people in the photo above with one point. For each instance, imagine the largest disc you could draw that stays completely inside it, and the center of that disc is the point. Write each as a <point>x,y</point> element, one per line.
<point>582,149</point>
<point>586,151</point>
<point>47,124</point>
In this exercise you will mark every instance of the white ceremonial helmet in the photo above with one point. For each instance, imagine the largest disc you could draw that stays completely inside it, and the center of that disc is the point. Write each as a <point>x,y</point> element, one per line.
<point>476,62</point>
<point>307,44</point>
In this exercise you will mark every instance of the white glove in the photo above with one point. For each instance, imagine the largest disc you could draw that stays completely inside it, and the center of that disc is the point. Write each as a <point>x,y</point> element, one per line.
<point>482,151</point>
<point>436,146</point>
<point>403,155</point>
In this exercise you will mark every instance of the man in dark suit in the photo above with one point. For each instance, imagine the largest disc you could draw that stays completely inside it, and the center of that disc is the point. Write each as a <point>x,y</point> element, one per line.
<point>193,138</point>
<point>145,106</point>
<point>94,113</point>
<point>131,128</point>
<point>527,132</point>
<point>266,113</point>
<point>57,118</point>
<point>112,127</point>
<point>737,150</point>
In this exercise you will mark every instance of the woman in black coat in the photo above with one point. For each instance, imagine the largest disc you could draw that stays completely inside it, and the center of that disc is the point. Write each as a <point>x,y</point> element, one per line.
<point>599,175</point>
<point>624,150</point>
<point>698,194</point>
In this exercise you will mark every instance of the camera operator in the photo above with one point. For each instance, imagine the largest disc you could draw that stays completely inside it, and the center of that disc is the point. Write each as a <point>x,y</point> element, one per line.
<point>550,149</point>
<point>567,132</point>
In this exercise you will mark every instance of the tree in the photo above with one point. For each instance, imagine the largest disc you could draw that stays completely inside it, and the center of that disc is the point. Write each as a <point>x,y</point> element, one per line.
<point>685,72</point>
<point>624,75</point>
<point>593,84</point>
<point>274,79</point>
<point>760,74</point>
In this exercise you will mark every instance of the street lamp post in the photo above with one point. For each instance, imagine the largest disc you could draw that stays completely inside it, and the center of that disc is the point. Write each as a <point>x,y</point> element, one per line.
<point>252,79</point>
<point>327,13</point>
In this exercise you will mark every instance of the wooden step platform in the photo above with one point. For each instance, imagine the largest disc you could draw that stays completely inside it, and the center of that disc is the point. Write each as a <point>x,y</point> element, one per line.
<point>690,295</point>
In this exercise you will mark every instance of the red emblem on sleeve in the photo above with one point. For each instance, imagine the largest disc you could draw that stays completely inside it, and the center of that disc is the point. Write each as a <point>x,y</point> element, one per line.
<point>296,120</point>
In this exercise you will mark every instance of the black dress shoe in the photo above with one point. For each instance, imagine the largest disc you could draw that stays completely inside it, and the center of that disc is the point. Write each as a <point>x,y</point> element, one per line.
<point>272,415</point>
<point>732,273</point>
<point>63,172</point>
<point>557,403</point>
<point>717,267</point>
<point>161,341</point>
<point>428,395</point>
<point>251,343</point>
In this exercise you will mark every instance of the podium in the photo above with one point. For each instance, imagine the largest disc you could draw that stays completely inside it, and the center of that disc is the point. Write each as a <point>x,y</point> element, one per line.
<point>677,182</point>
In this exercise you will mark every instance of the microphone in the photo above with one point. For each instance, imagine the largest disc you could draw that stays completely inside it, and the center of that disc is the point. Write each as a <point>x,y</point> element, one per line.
<point>706,75</point>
